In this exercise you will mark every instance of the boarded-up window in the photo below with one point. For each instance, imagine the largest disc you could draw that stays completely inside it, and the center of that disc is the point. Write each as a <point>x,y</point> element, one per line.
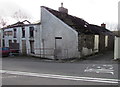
<point>106,41</point>
<point>96,43</point>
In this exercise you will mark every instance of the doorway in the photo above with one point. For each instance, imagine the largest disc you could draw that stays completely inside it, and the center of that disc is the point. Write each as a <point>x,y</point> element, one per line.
<point>24,47</point>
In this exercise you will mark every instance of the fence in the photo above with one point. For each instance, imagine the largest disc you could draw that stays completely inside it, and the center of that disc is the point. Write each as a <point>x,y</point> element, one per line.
<point>51,53</point>
<point>14,52</point>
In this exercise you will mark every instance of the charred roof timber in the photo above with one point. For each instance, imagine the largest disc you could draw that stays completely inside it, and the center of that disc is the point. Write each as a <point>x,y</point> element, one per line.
<point>19,24</point>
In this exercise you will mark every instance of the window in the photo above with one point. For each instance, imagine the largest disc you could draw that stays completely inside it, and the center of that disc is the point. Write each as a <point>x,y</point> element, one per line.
<point>23,32</point>
<point>10,41</point>
<point>14,33</point>
<point>8,33</point>
<point>31,31</point>
<point>106,41</point>
<point>3,43</point>
<point>15,41</point>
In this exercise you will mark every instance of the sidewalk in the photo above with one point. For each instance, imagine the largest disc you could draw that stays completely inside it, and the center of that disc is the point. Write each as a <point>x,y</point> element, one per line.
<point>107,57</point>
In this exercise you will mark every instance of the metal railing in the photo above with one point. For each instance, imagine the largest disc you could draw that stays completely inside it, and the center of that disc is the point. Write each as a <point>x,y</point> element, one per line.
<point>50,52</point>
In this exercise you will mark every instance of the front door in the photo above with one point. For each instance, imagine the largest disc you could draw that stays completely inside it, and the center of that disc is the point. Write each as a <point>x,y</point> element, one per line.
<point>58,47</point>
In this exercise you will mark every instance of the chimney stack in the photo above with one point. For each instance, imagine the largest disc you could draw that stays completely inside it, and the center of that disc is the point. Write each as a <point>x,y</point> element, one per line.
<point>62,9</point>
<point>103,25</point>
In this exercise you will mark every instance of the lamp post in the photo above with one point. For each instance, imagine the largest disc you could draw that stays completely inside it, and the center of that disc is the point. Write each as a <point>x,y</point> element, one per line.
<point>117,39</point>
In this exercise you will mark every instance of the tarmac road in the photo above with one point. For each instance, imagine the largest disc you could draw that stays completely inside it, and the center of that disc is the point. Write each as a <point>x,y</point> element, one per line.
<point>31,71</point>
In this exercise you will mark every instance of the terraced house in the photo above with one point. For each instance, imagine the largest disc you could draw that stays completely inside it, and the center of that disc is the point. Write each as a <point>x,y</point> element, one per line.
<point>60,36</point>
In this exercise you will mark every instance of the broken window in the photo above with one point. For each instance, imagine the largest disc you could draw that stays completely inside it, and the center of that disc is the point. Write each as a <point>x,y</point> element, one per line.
<point>14,33</point>
<point>23,32</point>
<point>3,43</point>
<point>15,41</point>
<point>31,31</point>
<point>10,42</point>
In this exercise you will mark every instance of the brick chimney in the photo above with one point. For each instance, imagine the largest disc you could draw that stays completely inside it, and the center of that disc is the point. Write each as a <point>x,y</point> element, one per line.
<point>103,25</point>
<point>62,9</point>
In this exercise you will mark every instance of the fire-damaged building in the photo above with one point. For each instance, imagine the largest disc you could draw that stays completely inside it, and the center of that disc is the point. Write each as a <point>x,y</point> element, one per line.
<point>21,36</point>
<point>60,36</point>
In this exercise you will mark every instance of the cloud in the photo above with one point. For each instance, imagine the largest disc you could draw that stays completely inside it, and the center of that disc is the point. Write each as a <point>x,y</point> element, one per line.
<point>7,9</point>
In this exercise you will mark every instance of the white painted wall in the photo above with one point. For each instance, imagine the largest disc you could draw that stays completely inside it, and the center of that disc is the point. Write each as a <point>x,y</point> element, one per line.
<point>37,42</point>
<point>19,37</point>
<point>117,48</point>
<point>53,27</point>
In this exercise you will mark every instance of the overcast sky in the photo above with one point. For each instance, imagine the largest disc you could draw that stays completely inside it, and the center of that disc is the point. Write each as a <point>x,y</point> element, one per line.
<point>92,11</point>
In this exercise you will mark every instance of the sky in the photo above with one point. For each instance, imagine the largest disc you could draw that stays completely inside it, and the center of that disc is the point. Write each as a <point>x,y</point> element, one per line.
<point>93,11</point>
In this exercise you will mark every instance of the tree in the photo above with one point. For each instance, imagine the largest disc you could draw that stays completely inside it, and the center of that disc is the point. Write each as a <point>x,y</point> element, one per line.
<point>3,22</point>
<point>20,16</point>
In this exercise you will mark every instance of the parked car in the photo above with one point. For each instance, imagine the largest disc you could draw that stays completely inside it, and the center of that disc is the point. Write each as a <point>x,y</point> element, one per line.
<point>5,51</point>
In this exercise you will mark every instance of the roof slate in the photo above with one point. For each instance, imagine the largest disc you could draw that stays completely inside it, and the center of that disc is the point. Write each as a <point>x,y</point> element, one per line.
<point>78,24</point>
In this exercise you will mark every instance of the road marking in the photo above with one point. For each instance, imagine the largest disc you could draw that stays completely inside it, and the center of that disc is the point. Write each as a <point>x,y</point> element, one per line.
<point>100,69</point>
<point>77,78</point>
<point>5,77</point>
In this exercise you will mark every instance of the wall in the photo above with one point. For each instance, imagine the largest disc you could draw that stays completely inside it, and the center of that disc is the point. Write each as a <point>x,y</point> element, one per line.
<point>111,43</point>
<point>20,39</point>
<point>37,41</point>
<point>52,27</point>
<point>88,44</point>
<point>117,48</point>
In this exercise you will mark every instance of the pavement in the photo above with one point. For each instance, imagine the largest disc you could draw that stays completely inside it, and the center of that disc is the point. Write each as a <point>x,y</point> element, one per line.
<point>106,57</point>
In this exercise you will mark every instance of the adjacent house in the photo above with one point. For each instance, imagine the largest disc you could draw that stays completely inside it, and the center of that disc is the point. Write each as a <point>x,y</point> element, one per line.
<point>58,36</point>
<point>21,36</point>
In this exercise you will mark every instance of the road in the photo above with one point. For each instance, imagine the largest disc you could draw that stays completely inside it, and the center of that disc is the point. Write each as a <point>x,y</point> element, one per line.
<point>33,71</point>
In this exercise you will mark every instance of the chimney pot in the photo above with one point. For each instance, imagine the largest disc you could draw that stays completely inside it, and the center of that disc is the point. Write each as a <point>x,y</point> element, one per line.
<point>62,9</point>
<point>103,25</point>
<point>62,4</point>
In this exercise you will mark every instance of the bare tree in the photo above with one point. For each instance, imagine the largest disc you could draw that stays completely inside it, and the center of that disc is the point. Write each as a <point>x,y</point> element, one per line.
<point>20,15</point>
<point>3,22</point>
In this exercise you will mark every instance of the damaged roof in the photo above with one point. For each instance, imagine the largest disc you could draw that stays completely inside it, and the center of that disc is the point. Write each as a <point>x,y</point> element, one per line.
<point>78,24</point>
<point>20,24</point>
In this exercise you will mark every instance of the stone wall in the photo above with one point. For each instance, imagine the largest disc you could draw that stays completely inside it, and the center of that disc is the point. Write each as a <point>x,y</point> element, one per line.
<point>87,44</point>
